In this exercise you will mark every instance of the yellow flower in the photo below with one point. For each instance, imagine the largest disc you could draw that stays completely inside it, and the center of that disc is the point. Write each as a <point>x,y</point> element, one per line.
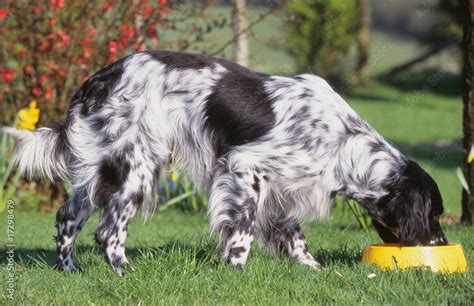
<point>28,117</point>
<point>174,176</point>
<point>470,158</point>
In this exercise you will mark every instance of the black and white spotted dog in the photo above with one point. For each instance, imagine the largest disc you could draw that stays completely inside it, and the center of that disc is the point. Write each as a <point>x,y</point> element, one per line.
<point>269,150</point>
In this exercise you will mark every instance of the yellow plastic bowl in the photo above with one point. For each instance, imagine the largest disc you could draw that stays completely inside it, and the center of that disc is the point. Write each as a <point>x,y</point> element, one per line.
<point>446,259</point>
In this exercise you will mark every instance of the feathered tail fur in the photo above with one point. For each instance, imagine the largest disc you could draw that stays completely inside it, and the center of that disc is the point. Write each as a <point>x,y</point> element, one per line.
<point>41,153</point>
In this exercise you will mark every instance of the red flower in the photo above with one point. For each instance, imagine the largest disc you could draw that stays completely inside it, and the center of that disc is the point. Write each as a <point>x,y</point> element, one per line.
<point>162,2</point>
<point>44,46</point>
<point>107,6</point>
<point>148,11</point>
<point>87,40</point>
<point>3,13</point>
<point>141,47</point>
<point>8,74</point>
<point>57,3</point>
<point>36,10</point>
<point>88,52</point>
<point>49,93</point>
<point>36,91</point>
<point>144,2</point>
<point>92,32</point>
<point>8,78</point>
<point>42,78</point>
<point>127,33</point>
<point>29,69</point>
<point>113,46</point>
<point>165,11</point>
<point>66,39</point>
<point>52,22</point>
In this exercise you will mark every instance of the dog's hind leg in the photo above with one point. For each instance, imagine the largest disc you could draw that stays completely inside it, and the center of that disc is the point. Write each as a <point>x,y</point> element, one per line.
<point>283,235</point>
<point>112,232</point>
<point>70,219</point>
<point>133,188</point>
<point>233,205</point>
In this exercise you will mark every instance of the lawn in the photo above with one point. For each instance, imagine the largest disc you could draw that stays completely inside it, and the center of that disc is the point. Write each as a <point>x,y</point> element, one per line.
<point>177,263</point>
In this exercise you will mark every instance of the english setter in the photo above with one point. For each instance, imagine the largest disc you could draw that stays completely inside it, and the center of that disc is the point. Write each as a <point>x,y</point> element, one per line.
<point>269,150</point>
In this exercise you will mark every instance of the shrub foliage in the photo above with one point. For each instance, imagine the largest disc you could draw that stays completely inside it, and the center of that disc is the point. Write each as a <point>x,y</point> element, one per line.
<point>320,33</point>
<point>48,48</point>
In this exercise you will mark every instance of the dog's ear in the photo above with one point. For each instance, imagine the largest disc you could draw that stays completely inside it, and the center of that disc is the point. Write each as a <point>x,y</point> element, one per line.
<point>413,218</point>
<point>386,234</point>
<point>414,206</point>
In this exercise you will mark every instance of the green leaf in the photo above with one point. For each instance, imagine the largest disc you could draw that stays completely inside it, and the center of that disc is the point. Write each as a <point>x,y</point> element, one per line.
<point>462,180</point>
<point>360,214</point>
<point>175,200</point>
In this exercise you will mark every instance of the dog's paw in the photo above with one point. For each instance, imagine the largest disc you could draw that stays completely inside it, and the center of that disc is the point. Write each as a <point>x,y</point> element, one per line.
<point>67,266</point>
<point>123,268</point>
<point>237,267</point>
<point>313,264</point>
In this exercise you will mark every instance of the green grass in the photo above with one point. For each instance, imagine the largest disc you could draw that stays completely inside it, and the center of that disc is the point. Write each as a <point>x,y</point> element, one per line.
<point>177,263</point>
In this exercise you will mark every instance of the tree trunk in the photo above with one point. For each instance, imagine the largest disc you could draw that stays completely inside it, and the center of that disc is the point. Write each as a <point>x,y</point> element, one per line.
<point>241,33</point>
<point>468,112</point>
<point>363,39</point>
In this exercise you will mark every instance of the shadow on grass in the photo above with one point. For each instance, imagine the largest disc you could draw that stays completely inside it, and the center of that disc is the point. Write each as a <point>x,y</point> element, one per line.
<point>342,256</point>
<point>369,95</point>
<point>200,253</point>
<point>205,253</point>
<point>434,80</point>
<point>447,155</point>
<point>29,257</point>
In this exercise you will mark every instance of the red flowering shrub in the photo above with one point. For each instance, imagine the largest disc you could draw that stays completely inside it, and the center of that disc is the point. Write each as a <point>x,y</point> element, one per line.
<point>50,47</point>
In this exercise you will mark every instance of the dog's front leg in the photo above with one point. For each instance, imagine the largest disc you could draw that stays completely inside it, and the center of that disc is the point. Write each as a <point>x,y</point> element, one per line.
<point>286,236</point>
<point>232,210</point>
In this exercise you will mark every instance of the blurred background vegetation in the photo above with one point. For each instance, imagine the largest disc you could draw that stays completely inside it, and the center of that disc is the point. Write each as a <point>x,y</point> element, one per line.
<point>400,70</point>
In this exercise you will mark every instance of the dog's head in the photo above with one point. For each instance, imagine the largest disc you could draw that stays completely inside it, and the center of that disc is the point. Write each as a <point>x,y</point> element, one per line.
<point>410,213</point>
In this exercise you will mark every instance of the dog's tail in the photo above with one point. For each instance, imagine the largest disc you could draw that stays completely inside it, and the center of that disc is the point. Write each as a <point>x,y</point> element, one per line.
<point>41,153</point>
